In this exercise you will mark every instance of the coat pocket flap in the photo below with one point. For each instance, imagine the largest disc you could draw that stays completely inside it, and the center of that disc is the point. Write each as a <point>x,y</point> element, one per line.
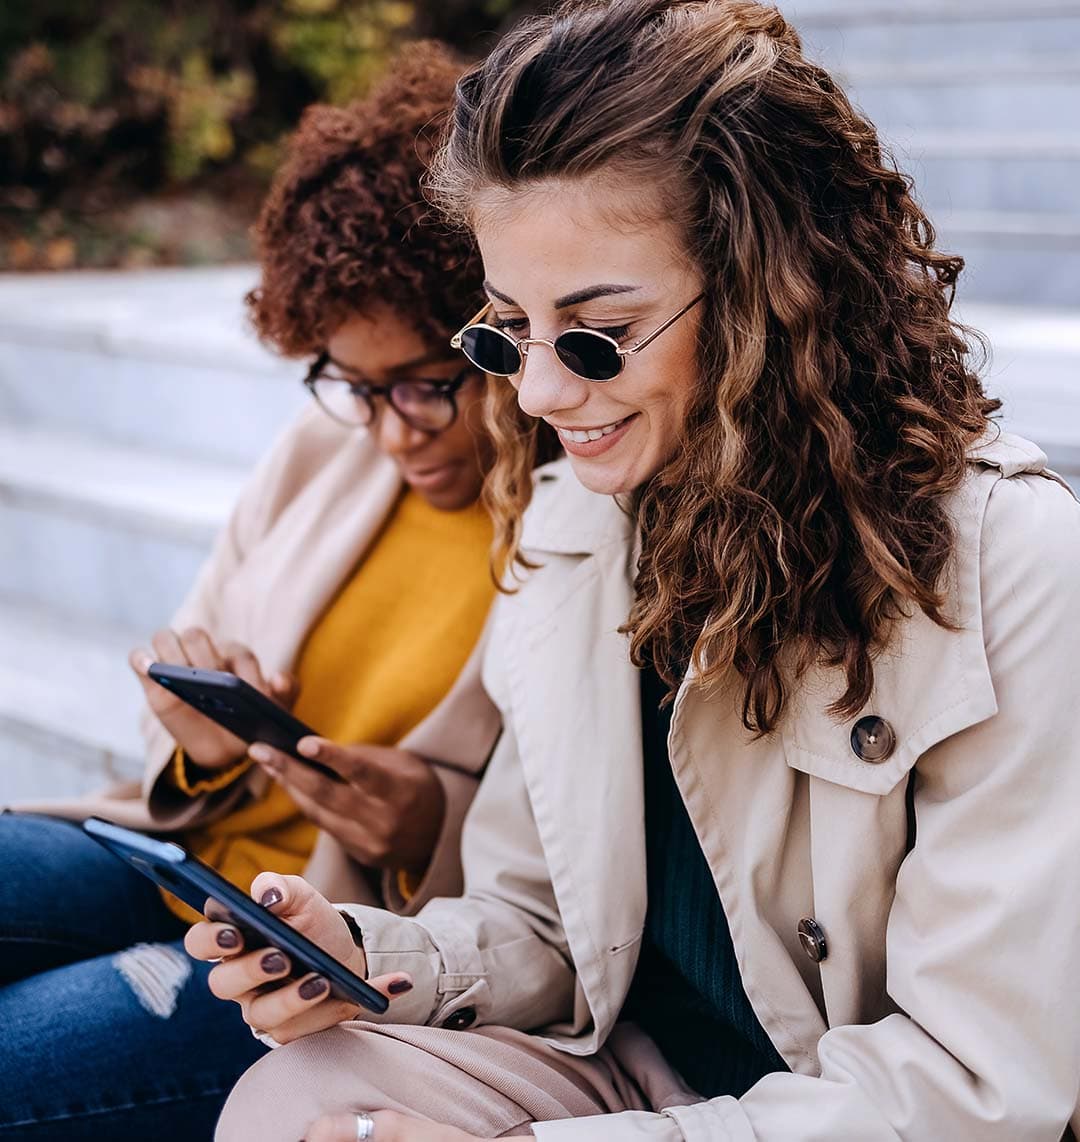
<point>913,707</point>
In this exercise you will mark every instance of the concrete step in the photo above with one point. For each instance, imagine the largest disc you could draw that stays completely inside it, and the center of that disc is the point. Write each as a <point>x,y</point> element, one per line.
<point>69,705</point>
<point>995,180</point>
<point>928,33</point>
<point>1008,103</point>
<point>901,12</point>
<point>1013,264</point>
<point>1035,369</point>
<point>161,359</point>
<point>104,531</point>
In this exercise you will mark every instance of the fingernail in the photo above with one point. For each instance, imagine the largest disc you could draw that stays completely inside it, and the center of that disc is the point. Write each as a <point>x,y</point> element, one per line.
<point>399,987</point>
<point>228,938</point>
<point>261,753</point>
<point>309,747</point>
<point>310,988</point>
<point>273,963</point>
<point>271,897</point>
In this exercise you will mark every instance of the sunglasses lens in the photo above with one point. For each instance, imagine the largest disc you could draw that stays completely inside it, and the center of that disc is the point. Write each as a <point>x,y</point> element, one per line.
<point>588,355</point>
<point>491,351</point>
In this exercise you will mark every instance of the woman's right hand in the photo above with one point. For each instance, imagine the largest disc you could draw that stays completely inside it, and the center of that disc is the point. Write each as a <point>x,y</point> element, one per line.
<point>204,742</point>
<point>305,1005</point>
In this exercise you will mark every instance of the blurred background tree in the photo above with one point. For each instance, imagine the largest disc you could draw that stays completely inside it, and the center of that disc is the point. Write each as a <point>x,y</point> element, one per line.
<point>144,132</point>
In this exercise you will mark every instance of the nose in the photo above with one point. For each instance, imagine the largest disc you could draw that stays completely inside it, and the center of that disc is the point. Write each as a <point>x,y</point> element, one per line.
<point>545,386</point>
<point>395,436</point>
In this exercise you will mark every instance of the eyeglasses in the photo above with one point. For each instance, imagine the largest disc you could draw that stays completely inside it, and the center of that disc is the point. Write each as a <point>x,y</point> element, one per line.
<point>587,353</point>
<point>426,405</point>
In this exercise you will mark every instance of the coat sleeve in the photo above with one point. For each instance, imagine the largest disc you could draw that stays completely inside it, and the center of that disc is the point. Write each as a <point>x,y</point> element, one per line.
<point>984,933</point>
<point>500,949</point>
<point>276,476</point>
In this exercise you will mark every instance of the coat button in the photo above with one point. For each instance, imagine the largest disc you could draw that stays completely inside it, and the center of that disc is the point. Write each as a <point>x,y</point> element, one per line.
<point>872,739</point>
<point>462,1018</point>
<point>812,939</point>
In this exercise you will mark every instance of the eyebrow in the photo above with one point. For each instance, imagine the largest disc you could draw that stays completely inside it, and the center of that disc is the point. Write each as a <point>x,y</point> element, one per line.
<point>608,289</point>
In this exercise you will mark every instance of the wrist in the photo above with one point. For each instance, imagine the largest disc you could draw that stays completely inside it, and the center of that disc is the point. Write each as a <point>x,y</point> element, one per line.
<point>194,780</point>
<point>358,960</point>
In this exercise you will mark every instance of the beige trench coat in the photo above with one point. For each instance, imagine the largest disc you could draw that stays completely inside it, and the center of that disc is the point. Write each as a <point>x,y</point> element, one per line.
<point>305,519</point>
<point>947,1006</point>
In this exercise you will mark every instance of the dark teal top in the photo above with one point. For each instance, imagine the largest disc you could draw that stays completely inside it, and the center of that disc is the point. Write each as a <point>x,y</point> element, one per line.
<point>687,993</point>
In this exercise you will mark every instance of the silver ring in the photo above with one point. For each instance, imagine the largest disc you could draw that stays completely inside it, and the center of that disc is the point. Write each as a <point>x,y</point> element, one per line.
<point>365,1126</point>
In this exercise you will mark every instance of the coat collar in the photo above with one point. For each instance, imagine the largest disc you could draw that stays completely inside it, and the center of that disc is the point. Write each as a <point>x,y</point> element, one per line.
<point>565,518</point>
<point>931,683</point>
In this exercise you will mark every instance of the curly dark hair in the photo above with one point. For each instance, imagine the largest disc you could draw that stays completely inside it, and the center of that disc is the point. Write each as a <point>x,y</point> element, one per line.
<point>806,508</point>
<point>345,226</point>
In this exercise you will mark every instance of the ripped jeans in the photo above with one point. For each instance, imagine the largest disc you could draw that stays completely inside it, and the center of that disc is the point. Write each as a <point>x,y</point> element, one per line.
<point>100,1038</point>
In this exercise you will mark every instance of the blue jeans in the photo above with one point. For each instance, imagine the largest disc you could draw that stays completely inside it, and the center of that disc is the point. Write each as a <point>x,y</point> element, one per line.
<point>99,1039</point>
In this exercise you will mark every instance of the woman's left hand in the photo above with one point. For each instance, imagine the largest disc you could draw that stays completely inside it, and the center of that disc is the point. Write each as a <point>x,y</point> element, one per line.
<point>386,813</point>
<point>390,1126</point>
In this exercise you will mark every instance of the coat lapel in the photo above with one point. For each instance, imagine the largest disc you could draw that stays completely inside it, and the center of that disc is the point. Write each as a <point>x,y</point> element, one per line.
<point>329,526</point>
<point>576,708</point>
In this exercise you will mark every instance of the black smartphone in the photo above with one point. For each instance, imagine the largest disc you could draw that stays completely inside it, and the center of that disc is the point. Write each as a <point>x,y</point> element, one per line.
<point>169,866</point>
<point>239,708</point>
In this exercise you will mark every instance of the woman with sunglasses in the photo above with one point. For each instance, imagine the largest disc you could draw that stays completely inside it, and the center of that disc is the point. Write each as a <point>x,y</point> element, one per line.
<point>780,842</point>
<point>353,583</point>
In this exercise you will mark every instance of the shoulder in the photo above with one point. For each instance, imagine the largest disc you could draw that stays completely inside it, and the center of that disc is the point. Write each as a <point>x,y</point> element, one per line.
<point>314,453</point>
<point>1028,530</point>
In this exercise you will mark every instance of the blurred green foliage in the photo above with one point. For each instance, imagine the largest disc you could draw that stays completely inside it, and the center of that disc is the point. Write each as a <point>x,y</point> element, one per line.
<point>108,105</point>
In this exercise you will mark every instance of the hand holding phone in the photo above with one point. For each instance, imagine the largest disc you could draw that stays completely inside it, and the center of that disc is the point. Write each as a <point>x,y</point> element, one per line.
<point>239,708</point>
<point>170,867</point>
<point>205,742</point>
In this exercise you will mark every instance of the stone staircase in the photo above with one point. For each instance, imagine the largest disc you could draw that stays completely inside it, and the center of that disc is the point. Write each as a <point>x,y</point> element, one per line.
<point>980,100</point>
<point>131,405</point>
<point>131,408</point>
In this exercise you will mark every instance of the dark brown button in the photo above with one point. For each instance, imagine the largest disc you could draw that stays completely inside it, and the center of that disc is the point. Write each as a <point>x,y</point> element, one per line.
<point>872,739</point>
<point>812,939</point>
<point>462,1018</point>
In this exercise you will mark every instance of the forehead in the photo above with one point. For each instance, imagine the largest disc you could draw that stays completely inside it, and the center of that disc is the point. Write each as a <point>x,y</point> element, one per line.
<point>549,238</point>
<point>377,342</point>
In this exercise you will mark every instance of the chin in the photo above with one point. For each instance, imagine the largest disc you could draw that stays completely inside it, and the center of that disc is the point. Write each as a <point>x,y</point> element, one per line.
<point>452,499</point>
<point>602,479</point>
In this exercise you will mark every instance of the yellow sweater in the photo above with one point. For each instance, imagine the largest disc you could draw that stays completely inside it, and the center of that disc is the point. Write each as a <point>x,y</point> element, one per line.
<point>379,660</point>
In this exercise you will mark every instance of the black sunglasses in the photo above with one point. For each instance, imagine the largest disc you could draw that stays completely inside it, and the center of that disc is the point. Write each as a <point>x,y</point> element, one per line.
<point>426,405</point>
<point>587,353</point>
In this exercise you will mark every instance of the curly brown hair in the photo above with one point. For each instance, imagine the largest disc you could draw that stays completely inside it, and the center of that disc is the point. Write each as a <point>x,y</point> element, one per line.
<point>345,227</point>
<point>806,509</point>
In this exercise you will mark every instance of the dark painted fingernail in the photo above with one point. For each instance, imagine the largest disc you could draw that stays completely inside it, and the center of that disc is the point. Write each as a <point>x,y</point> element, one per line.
<point>310,988</point>
<point>399,987</point>
<point>271,897</point>
<point>273,963</point>
<point>228,938</point>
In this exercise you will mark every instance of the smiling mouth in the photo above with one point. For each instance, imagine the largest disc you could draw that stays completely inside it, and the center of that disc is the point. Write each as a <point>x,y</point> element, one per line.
<point>584,435</point>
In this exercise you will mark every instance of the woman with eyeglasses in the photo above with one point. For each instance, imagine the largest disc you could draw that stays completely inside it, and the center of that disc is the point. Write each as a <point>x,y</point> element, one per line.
<point>352,583</point>
<point>780,842</point>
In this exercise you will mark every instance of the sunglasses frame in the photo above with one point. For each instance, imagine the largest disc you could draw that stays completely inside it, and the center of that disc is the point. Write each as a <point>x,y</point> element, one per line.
<point>522,344</point>
<point>448,389</point>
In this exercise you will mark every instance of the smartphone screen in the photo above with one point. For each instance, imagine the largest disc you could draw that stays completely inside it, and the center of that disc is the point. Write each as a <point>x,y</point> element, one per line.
<point>169,866</point>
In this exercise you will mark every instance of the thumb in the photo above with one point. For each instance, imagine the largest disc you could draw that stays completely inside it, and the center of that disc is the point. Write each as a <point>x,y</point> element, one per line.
<point>285,688</point>
<point>353,763</point>
<point>294,900</point>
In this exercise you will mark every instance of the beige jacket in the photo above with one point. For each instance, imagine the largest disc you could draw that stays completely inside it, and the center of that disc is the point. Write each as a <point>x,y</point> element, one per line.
<point>947,1006</point>
<point>304,521</point>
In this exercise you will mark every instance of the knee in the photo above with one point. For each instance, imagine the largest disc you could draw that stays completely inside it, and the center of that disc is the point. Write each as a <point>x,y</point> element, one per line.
<point>287,1090</point>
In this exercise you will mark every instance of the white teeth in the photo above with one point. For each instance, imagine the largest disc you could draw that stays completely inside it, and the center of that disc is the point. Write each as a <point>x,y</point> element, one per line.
<point>583,436</point>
